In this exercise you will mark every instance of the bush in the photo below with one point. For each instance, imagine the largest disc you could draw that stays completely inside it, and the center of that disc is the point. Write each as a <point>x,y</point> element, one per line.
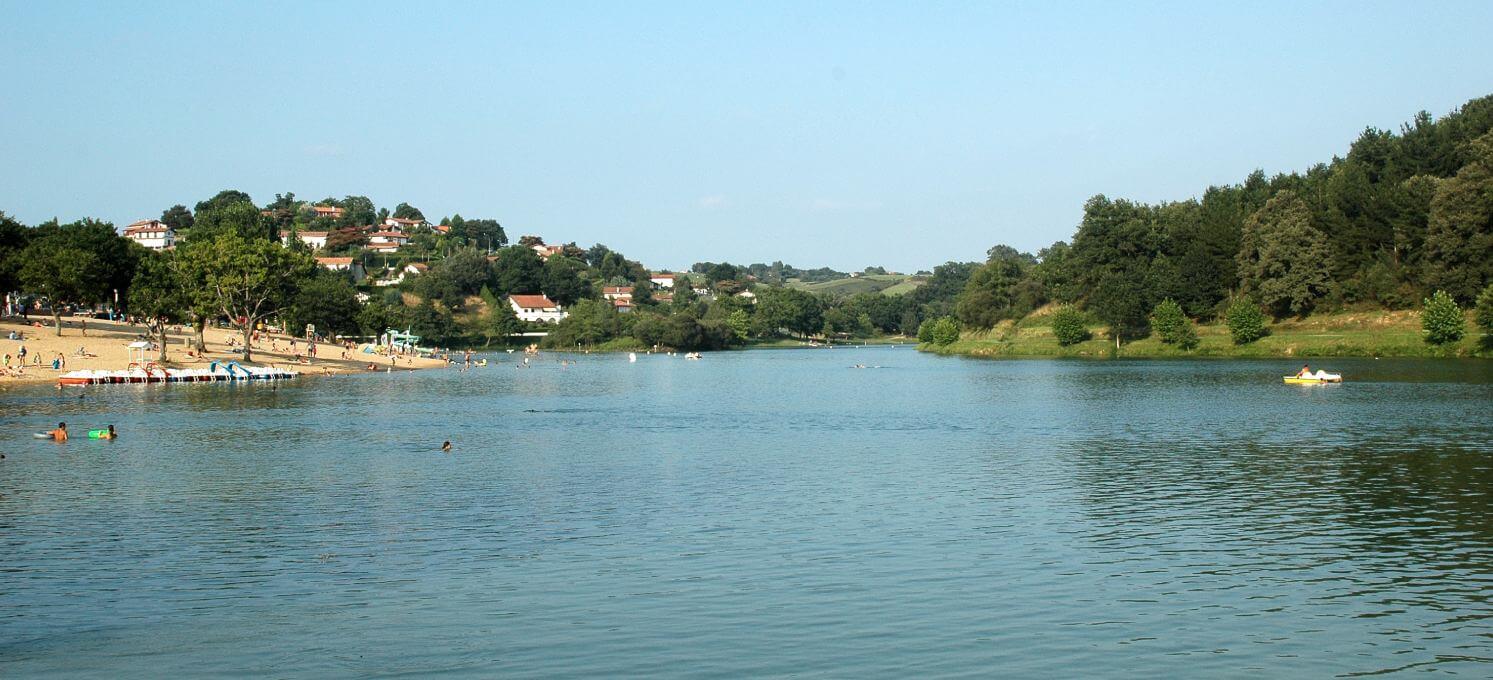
<point>1485,312</point>
<point>1442,319</point>
<point>1246,322</point>
<point>1172,325</point>
<point>1069,326</point>
<point>925,331</point>
<point>945,330</point>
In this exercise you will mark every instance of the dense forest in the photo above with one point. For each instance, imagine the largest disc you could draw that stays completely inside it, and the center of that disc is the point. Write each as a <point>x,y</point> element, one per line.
<point>1402,215</point>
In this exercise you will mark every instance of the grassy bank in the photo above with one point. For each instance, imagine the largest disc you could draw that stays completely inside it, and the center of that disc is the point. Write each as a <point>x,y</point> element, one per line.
<point>1349,334</point>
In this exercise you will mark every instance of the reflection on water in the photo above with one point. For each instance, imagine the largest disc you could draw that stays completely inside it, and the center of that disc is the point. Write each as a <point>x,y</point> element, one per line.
<point>761,513</point>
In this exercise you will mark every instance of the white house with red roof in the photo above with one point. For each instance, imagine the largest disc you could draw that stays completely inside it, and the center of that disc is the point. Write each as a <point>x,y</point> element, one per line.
<point>402,223</point>
<point>331,211</point>
<point>343,264</point>
<point>315,240</point>
<point>617,293</point>
<point>662,280</point>
<point>536,308</point>
<point>153,234</point>
<point>398,238</point>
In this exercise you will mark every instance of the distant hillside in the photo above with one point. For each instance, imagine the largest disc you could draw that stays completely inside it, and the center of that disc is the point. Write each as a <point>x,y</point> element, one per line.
<point>886,284</point>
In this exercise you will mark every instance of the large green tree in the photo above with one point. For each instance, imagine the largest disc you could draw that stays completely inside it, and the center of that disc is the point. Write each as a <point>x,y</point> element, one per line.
<point>1283,261</point>
<point>1459,239</point>
<point>13,239</point>
<point>82,263</point>
<point>246,279</point>
<point>159,296</point>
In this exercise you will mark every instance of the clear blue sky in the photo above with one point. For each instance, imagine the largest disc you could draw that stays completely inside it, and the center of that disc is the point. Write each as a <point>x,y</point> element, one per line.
<point>815,133</point>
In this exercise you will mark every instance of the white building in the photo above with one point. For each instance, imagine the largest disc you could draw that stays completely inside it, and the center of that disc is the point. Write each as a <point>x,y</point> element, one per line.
<point>390,236</point>
<point>315,240</point>
<point>153,234</point>
<point>402,224</point>
<point>662,280</point>
<point>343,264</point>
<point>617,293</point>
<point>536,308</point>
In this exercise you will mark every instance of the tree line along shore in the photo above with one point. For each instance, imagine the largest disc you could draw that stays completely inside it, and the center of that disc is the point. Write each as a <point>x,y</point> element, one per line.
<point>1399,230</point>
<point>1386,251</point>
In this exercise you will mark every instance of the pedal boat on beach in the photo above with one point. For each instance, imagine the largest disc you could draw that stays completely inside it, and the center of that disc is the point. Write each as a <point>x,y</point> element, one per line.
<point>1318,378</point>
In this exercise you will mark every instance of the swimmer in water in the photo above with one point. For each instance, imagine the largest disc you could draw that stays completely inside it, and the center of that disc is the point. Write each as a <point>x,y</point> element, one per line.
<point>446,446</point>
<point>59,434</point>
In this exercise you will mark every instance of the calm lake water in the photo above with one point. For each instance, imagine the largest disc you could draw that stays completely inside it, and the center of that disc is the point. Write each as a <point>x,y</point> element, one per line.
<point>768,513</point>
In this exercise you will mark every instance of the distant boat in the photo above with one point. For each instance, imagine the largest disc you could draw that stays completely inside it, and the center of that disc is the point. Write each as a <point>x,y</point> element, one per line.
<point>692,355</point>
<point>632,357</point>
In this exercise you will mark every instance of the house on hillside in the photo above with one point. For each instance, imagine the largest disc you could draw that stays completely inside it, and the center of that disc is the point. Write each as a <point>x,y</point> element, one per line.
<point>536,308</point>
<point>153,234</point>
<point>331,211</point>
<point>622,304</point>
<point>662,280</point>
<point>546,252</point>
<point>389,236</point>
<point>617,293</point>
<point>442,228</point>
<point>343,264</point>
<point>416,268</point>
<point>402,224</point>
<point>383,247</point>
<point>315,240</point>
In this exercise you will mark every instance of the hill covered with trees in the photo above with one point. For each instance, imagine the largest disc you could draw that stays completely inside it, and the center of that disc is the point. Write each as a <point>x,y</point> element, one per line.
<point>1402,215</point>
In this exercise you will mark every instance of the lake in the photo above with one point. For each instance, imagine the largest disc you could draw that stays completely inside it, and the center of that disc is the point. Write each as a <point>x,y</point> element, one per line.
<point>763,513</point>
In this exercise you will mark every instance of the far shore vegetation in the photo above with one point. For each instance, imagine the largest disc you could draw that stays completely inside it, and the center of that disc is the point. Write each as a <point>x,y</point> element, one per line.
<point>1386,251</point>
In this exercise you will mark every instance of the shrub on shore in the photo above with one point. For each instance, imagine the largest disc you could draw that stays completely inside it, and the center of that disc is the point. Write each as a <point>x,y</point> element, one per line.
<point>1172,325</point>
<point>945,331</point>
<point>1246,322</point>
<point>1442,319</point>
<point>1069,326</point>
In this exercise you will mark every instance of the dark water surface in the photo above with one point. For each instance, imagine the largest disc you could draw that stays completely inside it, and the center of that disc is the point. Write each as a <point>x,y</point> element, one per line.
<point>762,513</point>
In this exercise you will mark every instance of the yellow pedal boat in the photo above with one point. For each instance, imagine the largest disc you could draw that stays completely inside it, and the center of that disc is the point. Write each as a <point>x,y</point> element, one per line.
<point>1318,379</point>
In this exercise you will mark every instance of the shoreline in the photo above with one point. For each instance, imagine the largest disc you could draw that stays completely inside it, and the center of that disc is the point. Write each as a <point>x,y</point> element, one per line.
<point>1370,335</point>
<point>105,348</point>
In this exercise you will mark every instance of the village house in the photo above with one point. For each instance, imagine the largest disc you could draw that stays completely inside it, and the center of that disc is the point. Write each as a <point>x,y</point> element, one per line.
<point>536,308</point>
<point>383,247</point>
<point>402,223</point>
<point>343,264</point>
<point>315,240</point>
<point>389,236</point>
<point>545,252</point>
<point>617,292</point>
<point>623,305</point>
<point>331,211</point>
<point>416,268</point>
<point>662,280</point>
<point>153,234</point>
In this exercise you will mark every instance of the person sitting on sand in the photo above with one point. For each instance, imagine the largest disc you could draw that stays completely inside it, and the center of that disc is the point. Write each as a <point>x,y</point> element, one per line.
<point>59,434</point>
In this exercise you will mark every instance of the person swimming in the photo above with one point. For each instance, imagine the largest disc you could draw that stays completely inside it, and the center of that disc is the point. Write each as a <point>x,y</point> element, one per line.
<point>446,446</point>
<point>59,434</point>
<point>102,434</point>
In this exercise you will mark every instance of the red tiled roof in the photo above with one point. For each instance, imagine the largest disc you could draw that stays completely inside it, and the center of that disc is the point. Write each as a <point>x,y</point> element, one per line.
<point>660,276</point>
<point>616,290</point>
<point>334,260</point>
<point>533,301</point>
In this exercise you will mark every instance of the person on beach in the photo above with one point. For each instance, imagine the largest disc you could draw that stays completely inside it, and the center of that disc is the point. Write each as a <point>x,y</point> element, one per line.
<point>59,434</point>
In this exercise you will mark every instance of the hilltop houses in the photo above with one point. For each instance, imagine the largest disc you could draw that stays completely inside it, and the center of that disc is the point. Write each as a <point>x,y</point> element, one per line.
<point>344,264</point>
<point>662,280</point>
<point>330,211</point>
<point>617,293</point>
<point>153,234</point>
<point>536,308</point>
<point>402,224</point>
<point>315,240</point>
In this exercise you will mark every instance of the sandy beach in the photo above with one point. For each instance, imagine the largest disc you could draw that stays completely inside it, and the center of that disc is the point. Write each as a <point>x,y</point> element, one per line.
<point>106,347</point>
